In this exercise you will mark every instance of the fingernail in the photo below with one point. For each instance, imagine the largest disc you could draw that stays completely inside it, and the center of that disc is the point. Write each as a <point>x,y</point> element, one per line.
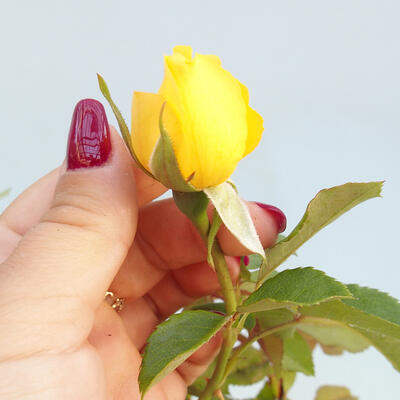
<point>246,260</point>
<point>276,214</point>
<point>89,143</point>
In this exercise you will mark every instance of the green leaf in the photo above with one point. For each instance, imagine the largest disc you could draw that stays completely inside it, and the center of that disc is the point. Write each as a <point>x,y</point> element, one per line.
<point>327,205</point>
<point>174,341</point>
<point>245,274</point>
<point>371,306</point>
<point>266,393</point>
<point>288,378</point>
<point>255,261</point>
<point>269,319</point>
<point>220,307</point>
<point>5,193</point>
<point>164,164</point>
<point>334,393</point>
<point>275,388</point>
<point>297,355</point>
<point>272,345</point>
<point>332,350</point>
<point>251,367</point>
<point>250,322</point>
<point>374,302</point>
<point>333,333</point>
<point>235,216</point>
<point>121,122</point>
<point>293,287</point>
<point>382,334</point>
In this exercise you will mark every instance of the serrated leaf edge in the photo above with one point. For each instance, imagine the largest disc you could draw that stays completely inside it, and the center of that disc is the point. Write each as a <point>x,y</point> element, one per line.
<point>183,356</point>
<point>265,268</point>
<point>291,303</point>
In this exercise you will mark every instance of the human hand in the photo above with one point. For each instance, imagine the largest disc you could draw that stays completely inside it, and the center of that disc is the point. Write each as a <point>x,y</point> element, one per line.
<point>85,228</point>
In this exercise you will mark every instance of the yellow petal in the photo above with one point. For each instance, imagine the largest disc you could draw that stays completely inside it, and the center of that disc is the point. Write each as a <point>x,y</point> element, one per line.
<point>254,124</point>
<point>255,129</point>
<point>146,109</point>
<point>185,51</point>
<point>245,93</point>
<point>213,59</point>
<point>213,115</point>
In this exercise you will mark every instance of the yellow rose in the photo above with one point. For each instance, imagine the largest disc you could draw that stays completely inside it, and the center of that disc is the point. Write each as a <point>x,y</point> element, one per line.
<point>207,118</point>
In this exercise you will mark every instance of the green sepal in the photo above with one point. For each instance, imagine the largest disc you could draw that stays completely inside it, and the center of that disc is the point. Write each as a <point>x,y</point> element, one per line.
<point>121,122</point>
<point>164,165</point>
<point>235,215</point>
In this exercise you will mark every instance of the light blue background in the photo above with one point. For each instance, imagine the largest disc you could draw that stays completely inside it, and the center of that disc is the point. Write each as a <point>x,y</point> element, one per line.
<point>324,75</point>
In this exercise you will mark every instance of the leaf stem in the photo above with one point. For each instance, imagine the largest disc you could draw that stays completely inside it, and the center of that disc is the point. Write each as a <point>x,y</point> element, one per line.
<point>223,356</point>
<point>239,350</point>
<point>230,334</point>
<point>194,205</point>
<point>224,278</point>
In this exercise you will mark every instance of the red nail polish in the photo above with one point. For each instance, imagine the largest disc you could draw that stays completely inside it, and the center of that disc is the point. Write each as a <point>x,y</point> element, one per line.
<point>89,143</point>
<point>276,213</point>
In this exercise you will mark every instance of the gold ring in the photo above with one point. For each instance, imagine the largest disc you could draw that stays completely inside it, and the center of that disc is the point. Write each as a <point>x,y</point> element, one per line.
<point>116,303</point>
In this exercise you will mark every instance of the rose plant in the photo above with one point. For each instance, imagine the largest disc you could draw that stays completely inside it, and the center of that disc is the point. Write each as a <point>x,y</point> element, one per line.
<point>190,136</point>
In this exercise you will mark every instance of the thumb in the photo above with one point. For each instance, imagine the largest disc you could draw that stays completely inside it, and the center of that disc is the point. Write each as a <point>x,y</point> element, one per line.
<point>58,274</point>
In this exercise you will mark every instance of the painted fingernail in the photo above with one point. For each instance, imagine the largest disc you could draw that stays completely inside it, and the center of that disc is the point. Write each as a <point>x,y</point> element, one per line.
<point>276,214</point>
<point>89,143</point>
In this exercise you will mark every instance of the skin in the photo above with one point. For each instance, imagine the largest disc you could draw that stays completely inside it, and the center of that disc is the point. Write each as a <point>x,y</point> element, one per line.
<point>68,239</point>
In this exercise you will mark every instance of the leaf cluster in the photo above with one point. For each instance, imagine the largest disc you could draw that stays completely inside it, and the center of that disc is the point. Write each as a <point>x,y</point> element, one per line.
<point>283,316</point>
